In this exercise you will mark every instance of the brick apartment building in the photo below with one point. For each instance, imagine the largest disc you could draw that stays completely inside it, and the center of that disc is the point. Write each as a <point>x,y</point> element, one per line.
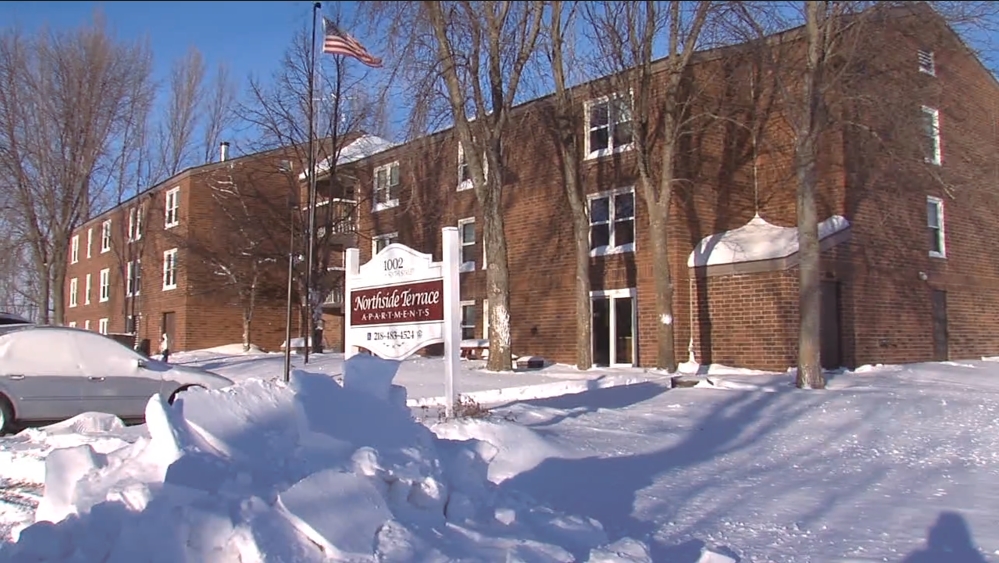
<point>907,275</point>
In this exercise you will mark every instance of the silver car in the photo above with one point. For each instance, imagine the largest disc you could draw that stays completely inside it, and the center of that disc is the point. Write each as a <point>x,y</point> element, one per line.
<point>52,373</point>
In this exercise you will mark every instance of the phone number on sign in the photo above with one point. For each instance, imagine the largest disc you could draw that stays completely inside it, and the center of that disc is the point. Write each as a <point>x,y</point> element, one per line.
<point>396,335</point>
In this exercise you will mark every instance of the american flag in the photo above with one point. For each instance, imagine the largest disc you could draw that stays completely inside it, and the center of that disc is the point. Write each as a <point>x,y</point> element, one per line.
<point>337,42</point>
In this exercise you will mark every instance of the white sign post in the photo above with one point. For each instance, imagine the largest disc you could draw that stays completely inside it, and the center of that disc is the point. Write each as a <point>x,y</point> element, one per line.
<point>401,300</point>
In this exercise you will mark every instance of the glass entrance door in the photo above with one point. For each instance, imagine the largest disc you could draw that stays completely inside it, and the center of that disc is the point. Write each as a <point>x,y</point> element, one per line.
<point>613,322</point>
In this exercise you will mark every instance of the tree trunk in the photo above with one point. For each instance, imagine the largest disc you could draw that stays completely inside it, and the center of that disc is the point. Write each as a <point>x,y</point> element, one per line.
<point>809,299</point>
<point>584,339</point>
<point>663,283</point>
<point>497,284</point>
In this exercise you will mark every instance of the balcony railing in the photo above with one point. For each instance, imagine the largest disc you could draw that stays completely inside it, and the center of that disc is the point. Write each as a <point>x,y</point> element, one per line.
<point>335,297</point>
<point>336,216</point>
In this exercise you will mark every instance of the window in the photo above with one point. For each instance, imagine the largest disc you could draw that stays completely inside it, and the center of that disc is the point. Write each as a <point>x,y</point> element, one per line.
<point>86,290</point>
<point>485,318</point>
<point>379,242</point>
<point>469,249</point>
<point>170,269</point>
<point>135,224</point>
<point>73,289</point>
<point>608,125</point>
<point>386,186</point>
<point>133,280</point>
<point>102,326</point>
<point>74,249</point>
<point>86,324</point>
<point>171,216</point>
<point>467,320</point>
<point>612,222</point>
<point>926,62</point>
<point>90,240</point>
<point>931,132</point>
<point>935,224</point>
<point>105,285</point>
<point>464,172</point>
<point>72,324</point>
<point>106,236</point>
<point>131,324</point>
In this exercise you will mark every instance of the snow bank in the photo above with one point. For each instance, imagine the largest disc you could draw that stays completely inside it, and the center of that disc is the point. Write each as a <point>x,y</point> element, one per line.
<point>756,240</point>
<point>234,350</point>
<point>306,471</point>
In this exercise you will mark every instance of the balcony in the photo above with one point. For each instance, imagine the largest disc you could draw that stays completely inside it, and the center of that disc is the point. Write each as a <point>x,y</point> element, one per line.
<point>336,216</point>
<point>335,298</point>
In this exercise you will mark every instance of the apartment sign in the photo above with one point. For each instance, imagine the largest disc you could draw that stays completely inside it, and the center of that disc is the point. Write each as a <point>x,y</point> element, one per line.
<point>401,301</point>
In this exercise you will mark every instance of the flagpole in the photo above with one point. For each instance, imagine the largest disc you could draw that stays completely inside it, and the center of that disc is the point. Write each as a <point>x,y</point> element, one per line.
<point>310,320</point>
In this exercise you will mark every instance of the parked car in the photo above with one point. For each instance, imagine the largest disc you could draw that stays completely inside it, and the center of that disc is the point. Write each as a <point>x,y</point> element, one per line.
<point>50,373</point>
<point>10,319</point>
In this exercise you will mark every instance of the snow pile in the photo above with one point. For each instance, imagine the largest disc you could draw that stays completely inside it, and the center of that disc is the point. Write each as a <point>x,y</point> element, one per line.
<point>307,471</point>
<point>756,240</point>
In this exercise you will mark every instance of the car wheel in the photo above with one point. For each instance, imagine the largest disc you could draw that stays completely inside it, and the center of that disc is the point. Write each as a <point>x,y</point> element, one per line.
<point>6,415</point>
<point>173,396</point>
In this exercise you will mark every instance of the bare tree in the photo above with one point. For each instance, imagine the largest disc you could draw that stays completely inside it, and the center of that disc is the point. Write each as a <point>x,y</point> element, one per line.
<point>655,118</point>
<point>179,125</point>
<point>564,118</point>
<point>218,109</point>
<point>64,100</point>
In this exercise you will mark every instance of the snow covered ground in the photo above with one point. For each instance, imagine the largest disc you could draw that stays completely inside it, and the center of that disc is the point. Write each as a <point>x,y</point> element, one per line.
<point>892,463</point>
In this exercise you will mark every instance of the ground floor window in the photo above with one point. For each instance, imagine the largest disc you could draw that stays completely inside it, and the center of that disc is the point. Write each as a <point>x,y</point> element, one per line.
<point>613,321</point>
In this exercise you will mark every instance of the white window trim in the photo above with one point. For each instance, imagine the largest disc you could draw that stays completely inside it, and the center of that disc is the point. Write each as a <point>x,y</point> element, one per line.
<point>130,277</point>
<point>106,236</point>
<point>170,255</point>
<point>468,265</point>
<point>86,324</point>
<point>74,288</point>
<point>943,229</point>
<point>105,284</point>
<point>485,319</point>
<point>383,236</point>
<point>461,309</point>
<point>102,326</point>
<point>87,286</point>
<point>90,241</point>
<point>467,184</point>
<point>937,158</point>
<point>74,250</point>
<point>631,292</point>
<point>622,249</point>
<point>72,324</point>
<point>172,193</point>
<point>135,224</point>
<point>931,68</point>
<point>599,153</point>
<point>376,206</point>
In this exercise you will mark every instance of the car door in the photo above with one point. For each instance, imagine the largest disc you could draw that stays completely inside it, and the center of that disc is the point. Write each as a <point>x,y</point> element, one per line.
<point>117,382</point>
<point>38,365</point>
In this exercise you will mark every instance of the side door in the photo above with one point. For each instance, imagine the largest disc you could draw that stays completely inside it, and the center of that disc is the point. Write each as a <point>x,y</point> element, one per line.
<point>39,367</point>
<point>116,381</point>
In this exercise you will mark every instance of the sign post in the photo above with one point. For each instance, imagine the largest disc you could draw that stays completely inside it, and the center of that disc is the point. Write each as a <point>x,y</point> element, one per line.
<point>401,300</point>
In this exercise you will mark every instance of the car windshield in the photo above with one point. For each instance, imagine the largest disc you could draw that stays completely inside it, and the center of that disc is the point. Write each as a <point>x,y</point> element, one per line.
<point>6,319</point>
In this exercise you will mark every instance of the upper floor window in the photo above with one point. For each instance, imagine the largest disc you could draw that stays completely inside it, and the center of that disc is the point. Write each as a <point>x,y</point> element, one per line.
<point>931,136</point>
<point>86,290</point>
<point>105,285</point>
<point>135,223</point>
<point>133,279</point>
<point>608,125</point>
<point>171,217</point>
<point>90,240</point>
<point>170,269</point>
<point>106,236</point>
<point>74,249</point>
<point>612,222</point>
<point>935,224</point>
<point>379,242</point>
<point>926,63</point>
<point>469,247</point>
<point>464,172</point>
<point>73,289</point>
<point>386,186</point>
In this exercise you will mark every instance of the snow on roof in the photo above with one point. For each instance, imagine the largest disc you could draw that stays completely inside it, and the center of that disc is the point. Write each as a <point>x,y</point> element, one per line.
<point>363,147</point>
<point>756,240</point>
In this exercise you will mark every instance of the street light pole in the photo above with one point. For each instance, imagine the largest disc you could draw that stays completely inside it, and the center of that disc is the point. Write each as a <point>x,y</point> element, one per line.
<point>291,272</point>
<point>310,320</point>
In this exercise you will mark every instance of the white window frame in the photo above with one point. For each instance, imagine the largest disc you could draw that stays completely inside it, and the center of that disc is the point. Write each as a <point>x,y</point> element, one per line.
<point>106,236</point>
<point>132,266</point>
<point>86,290</point>
<point>619,294</point>
<point>105,286</point>
<point>170,269</point>
<point>171,208</point>
<point>461,318</point>
<point>592,153</point>
<point>90,241</point>
<point>467,183</point>
<point>74,289</point>
<point>86,324</point>
<point>614,248</point>
<point>466,265</point>
<point>941,229</point>
<point>135,224</point>
<point>485,319</point>
<point>102,326</point>
<point>74,249</point>
<point>927,62</point>
<point>937,158</point>
<point>72,324</point>
<point>387,168</point>
<point>392,237</point>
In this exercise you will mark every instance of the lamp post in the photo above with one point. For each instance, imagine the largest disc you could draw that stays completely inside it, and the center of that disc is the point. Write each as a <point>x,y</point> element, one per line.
<point>293,208</point>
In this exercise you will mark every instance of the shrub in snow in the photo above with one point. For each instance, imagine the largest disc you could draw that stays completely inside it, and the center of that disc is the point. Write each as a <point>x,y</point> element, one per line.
<point>306,471</point>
